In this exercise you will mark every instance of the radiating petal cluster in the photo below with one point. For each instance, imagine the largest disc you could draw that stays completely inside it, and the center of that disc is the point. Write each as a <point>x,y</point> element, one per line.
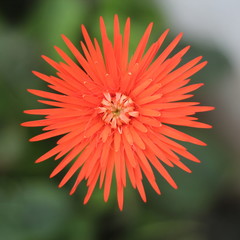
<point>114,115</point>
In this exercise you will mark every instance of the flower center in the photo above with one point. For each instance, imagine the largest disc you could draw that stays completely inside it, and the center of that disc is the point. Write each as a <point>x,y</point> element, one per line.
<point>117,110</point>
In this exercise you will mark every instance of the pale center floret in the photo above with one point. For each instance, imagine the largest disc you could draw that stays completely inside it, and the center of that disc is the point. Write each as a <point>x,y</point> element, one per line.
<point>117,110</point>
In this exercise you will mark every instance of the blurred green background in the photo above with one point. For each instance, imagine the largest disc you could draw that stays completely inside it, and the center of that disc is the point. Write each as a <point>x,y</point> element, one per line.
<point>207,203</point>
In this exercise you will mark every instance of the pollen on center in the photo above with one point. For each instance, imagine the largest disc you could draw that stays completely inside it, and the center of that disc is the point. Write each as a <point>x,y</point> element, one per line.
<point>117,110</point>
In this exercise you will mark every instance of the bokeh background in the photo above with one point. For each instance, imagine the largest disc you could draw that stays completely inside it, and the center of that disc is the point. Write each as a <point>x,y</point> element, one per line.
<point>207,203</point>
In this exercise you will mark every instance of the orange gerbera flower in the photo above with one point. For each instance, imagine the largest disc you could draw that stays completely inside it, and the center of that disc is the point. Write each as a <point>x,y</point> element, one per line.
<point>115,114</point>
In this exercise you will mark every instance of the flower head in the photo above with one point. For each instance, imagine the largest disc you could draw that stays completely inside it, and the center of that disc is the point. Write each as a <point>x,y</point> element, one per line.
<point>115,114</point>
